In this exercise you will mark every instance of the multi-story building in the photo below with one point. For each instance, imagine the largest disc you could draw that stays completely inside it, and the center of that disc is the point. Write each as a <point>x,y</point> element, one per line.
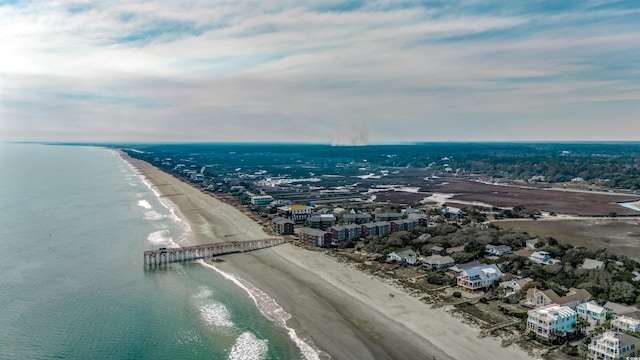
<point>282,226</point>
<point>613,346</point>
<point>479,277</point>
<point>322,222</point>
<point>403,225</point>
<point>261,200</point>
<point>384,227</point>
<point>369,229</point>
<point>627,322</point>
<point>592,312</point>
<point>344,233</point>
<point>315,237</point>
<point>421,218</point>
<point>356,219</point>
<point>551,320</point>
<point>296,212</point>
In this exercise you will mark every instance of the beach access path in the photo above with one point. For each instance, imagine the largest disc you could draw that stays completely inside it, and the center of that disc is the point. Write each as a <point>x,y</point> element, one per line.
<point>346,313</point>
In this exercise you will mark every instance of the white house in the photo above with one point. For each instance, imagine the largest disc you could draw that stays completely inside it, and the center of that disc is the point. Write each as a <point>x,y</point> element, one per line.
<point>498,250</point>
<point>540,257</point>
<point>613,345</point>
<point>479,277</point>
<point>627,322</point>
<point>404,255</point>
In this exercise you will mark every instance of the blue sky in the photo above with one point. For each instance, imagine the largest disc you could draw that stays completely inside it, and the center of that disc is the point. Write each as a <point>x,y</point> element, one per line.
<point>319,71</point>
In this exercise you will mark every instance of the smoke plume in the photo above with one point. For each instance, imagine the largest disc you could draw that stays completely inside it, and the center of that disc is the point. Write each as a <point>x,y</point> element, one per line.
<point>355,135</point>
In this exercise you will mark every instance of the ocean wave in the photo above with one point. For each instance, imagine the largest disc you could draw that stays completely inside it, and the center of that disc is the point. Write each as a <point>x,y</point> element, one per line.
<point>153,215</point>
<point>270,309</point>
<point>145,204</point>
<point>161,237</point>
<point>173,212</point>
<point>203,293</point>
<point>215,314</point>
<point>212,312</point>
<point>249,347</point>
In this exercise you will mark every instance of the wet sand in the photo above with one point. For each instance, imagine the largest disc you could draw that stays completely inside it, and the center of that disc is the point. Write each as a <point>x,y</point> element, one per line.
<point>345,313</point>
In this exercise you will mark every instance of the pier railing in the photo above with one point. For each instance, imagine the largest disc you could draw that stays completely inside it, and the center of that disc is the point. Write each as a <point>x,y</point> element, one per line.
<point>165,256</point>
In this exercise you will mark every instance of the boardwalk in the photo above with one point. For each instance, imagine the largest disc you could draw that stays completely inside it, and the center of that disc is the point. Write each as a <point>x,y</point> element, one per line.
<point>164,256</point>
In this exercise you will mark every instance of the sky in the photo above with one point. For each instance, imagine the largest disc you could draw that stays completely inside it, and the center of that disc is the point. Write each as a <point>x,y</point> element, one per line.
<point>343,72</point>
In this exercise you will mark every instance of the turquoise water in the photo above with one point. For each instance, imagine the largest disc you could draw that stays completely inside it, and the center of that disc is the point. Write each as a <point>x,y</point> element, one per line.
<point>74,222</point>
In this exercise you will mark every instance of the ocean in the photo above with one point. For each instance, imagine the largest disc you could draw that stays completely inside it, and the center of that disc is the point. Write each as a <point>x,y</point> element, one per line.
<point>74,222</point>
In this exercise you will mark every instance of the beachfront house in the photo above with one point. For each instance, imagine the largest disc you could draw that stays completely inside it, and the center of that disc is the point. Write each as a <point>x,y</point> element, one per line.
<point>538,298</point>
<point>551,320</point>
<point>436,262</point>
<point>613,345</point>
<point>405,255</point>
<point>592,312</point>
<point>616,309</point>
<point>479,277</point>
<point>456,270</point>
<point>630,321</point>
<point>514,286</point>
<point>315,237</point>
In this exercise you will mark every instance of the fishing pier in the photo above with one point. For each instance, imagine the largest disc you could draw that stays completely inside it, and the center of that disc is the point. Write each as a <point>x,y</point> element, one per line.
<point>165,256</point>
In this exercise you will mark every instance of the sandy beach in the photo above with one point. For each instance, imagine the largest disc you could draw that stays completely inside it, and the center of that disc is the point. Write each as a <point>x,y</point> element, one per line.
<point>345,313</point>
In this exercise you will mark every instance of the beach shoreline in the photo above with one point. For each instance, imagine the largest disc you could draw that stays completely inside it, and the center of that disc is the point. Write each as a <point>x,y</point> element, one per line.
<point>345,313</point>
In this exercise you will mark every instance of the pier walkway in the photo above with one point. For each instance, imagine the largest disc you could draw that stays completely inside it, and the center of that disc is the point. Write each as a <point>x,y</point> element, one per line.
<point>164,256</point>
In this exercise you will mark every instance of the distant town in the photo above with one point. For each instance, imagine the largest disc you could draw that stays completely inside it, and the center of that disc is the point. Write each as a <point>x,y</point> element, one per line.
<point>436,229</point>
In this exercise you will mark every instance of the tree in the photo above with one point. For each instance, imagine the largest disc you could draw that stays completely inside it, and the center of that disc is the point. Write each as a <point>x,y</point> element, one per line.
<point>622,291</point>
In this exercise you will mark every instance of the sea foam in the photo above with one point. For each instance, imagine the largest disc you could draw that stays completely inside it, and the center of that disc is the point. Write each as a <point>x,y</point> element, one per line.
<point>249,347</point>
<point>161,237</point>
<point>173,212</point>
<point>153,215</point>
<point>145,204</point>
<point>270,309</point>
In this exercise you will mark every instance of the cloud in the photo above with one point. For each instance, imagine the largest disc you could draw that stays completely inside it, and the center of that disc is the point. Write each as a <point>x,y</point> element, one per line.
<point>290,71</point>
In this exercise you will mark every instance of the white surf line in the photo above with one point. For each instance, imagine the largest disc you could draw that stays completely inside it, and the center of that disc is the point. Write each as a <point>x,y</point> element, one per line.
<point>264,303</point>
